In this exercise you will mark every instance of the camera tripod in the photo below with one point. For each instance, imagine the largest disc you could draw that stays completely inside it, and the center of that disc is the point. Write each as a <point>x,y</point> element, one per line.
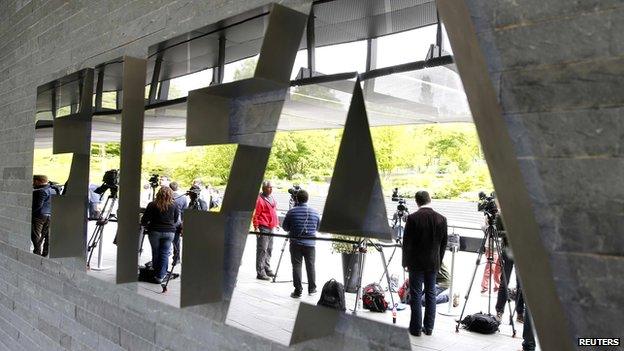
<point>362,247</point>
<point>96,237</point>
<point>291,203</point>
<point>399,218</point>
<point>491,238</point>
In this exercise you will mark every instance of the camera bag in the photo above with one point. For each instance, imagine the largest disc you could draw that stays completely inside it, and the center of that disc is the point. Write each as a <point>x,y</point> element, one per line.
<point>404,293</point>
<point>333,295</point>
<point>481,323</point>
<point>374,298</point>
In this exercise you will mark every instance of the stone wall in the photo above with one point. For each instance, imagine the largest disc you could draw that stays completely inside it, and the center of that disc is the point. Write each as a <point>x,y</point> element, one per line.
<point>53,304</point>
<point>558,68</point>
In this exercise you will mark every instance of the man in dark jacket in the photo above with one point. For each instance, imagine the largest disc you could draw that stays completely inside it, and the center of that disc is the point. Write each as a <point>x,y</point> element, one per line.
<point>424,243</point>
<point>302,222</point>
<point>41,211</point>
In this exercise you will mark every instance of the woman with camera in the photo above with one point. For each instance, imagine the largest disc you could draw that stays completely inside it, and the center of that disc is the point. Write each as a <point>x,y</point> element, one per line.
<point>161,219</point>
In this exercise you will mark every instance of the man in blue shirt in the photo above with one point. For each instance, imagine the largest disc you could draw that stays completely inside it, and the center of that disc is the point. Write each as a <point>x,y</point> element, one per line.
<point>302,222</point>
<point>41,211</point>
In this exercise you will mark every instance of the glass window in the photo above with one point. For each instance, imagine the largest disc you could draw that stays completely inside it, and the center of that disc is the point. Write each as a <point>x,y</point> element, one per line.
<point>405,47</point>
<point>341,58</point>
<point>241,69</point>
<point>179,87</point>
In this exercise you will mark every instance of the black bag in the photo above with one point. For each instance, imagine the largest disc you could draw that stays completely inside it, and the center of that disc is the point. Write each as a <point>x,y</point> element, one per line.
<point>374,298</point>
<point>333,295</point>
<point>481,323</point>
<point>146,273</point>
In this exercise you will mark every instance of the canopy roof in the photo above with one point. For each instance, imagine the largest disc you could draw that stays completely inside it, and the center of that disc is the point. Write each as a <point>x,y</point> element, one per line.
<point>421,92</point>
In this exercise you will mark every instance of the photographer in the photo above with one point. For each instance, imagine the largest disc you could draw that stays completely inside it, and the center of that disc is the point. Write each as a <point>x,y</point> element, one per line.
<point>265,220</point>
<point>94,202</point>
<point>487,205</point>
<point>398,219</point>
<point>41,211</point>
<point>302,221</point>
<point>179,199</point>
<point>161,220</point>
<point>195,201</point>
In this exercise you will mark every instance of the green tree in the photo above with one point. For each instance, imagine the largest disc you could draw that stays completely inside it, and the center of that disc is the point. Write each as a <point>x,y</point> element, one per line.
<point>246,68</point>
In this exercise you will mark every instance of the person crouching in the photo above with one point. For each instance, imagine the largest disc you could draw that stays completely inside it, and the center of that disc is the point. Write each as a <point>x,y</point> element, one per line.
<point>302,222</point>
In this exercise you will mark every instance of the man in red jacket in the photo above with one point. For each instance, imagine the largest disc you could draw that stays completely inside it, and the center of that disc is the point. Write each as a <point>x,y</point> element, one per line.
<point>264,221</point>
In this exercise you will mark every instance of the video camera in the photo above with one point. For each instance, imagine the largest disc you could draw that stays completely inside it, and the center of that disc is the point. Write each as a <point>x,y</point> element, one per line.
<point>154,181</point>
<point>487,205</point>
<point>293,194</point>
<point>401,208</point>
<point>193,191</point>
<point>110,181</point>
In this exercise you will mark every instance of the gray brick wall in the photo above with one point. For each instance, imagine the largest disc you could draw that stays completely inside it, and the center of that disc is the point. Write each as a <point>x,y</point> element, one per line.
<point>558,69</point>
<point>52,304</point>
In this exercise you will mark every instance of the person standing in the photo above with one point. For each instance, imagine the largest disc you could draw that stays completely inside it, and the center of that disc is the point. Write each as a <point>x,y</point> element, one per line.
<point>41,212</point>
<point>265,221</point>
<point>424,243</point>
<point>161,219</point>
<point>302,222</point>
<point>94,202</point>
<point>180,201</point>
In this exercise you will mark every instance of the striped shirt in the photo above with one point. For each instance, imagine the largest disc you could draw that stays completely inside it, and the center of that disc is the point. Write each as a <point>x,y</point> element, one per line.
<point>302,221</point>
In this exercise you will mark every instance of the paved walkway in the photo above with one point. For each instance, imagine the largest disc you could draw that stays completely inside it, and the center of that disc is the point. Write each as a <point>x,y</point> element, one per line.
<point>265,308</point>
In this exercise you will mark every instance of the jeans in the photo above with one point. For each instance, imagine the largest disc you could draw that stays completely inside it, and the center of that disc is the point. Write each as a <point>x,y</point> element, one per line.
<point>161,249</point>
<point>39,234</point>
<point>416,280</point>
<point>297,254</point>
<point>264,248</point>
<point>528,339</point>
<point>440,297</point>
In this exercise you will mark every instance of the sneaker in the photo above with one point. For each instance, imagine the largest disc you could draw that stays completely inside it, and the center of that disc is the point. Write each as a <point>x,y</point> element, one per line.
<point>263,277</point>
<point>455,300</point>
<point>484,290</point>
<point>520,318</point>
<point>499,316</point>
<point>427,332</point>
<point>312,292</point>
<point>295,294</point>
<point>270,274</point>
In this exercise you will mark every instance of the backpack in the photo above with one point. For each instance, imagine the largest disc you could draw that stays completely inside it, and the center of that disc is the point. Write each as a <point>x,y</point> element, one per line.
<point>373,298</point>
<point>333,295</point>
<point>404,293</point>
<point>481,323</point>
<point>146,273</point>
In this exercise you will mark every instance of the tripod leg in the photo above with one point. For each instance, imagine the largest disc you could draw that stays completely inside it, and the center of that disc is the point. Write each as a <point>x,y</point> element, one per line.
<point>95,238</point>
<point>164,286</point>
<point>279,261</point>
<point>490,259</point>
<point>383,259</point>
<point>474,274</point>
<point>505,279</point>
<point>359,284</point>
<point>385,272</point>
